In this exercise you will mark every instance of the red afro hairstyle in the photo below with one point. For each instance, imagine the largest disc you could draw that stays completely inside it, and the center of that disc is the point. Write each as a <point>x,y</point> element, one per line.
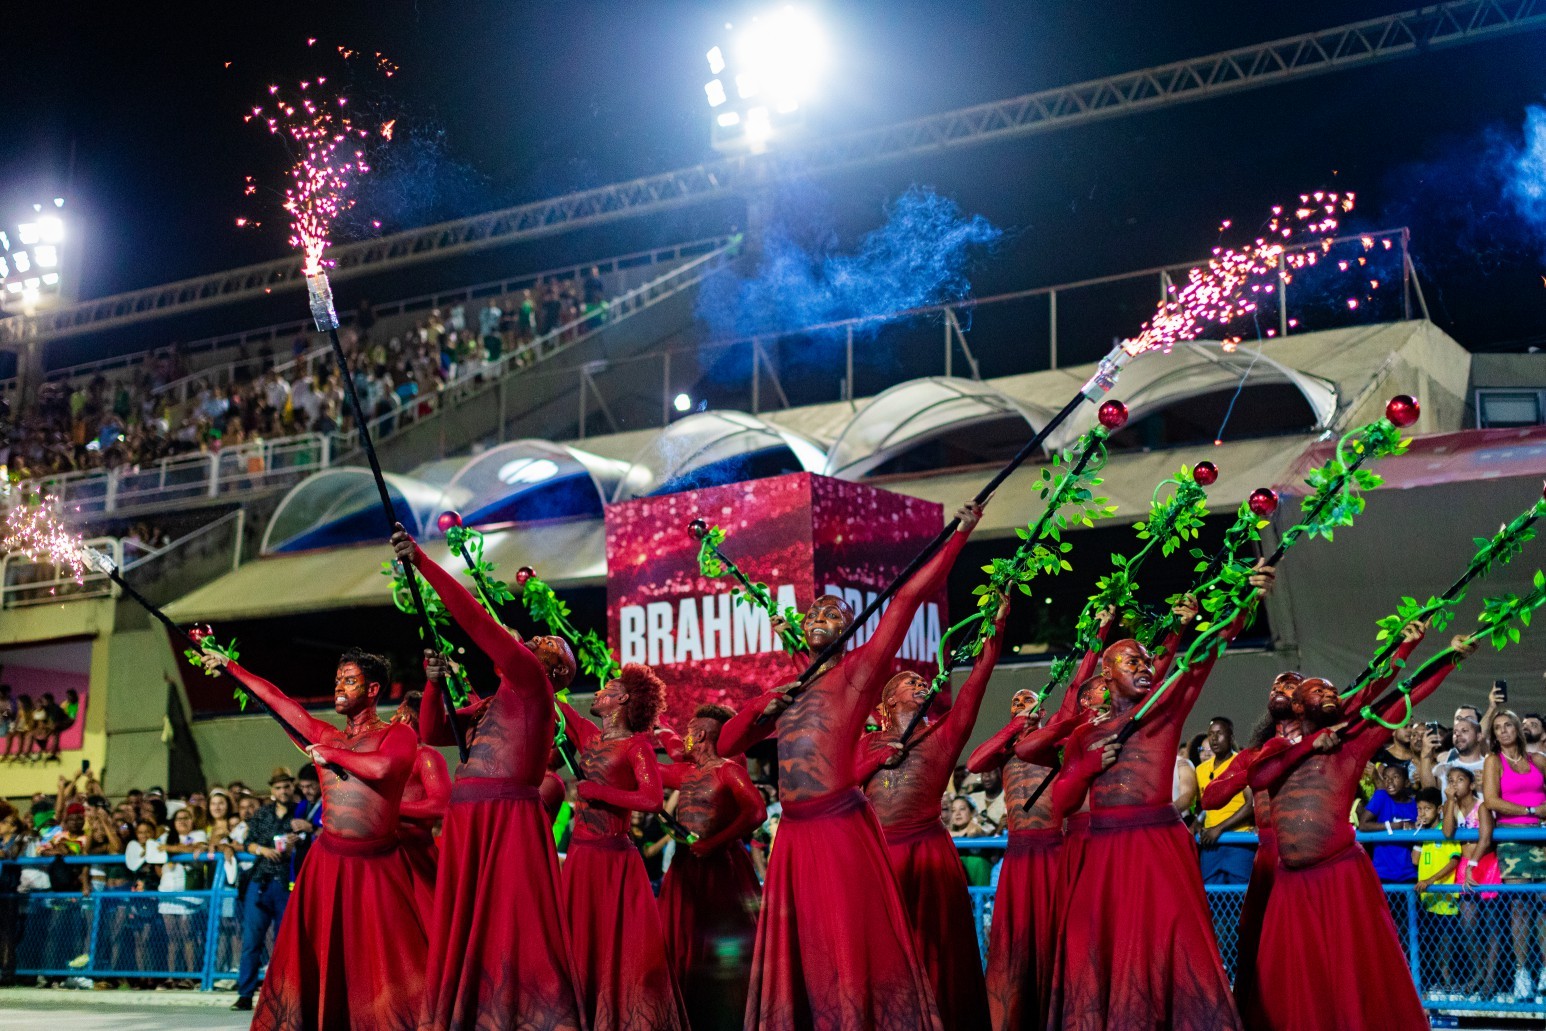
<point>646,696</point>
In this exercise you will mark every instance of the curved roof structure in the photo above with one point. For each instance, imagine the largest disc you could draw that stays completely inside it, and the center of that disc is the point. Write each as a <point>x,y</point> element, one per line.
<point>711,448</point>
<point>913,413</point>
<point>339,507</point>
<point>1158,381</point>
<point>527,480</point>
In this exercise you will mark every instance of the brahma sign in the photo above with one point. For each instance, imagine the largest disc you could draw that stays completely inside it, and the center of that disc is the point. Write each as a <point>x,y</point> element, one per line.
<point>801,534</point>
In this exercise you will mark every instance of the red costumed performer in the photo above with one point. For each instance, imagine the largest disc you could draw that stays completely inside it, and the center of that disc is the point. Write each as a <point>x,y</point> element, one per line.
<point>710,895</point>
<point>834,949</point>
<point>619,948</point>
<point>1312,975</point>
<point>499,954</point>
<point>904,786</point>
<point>350,950</point>
<point>1138,949</point>
<point>424,804</point>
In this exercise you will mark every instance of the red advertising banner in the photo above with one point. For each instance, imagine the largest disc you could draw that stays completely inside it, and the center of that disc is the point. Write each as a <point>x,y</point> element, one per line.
<point>803,535</point>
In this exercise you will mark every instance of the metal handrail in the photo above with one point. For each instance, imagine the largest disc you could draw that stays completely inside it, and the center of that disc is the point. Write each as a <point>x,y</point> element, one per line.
<point>92,584</point>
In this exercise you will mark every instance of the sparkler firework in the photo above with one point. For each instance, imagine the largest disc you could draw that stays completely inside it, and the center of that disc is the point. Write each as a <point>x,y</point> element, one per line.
<point>35,529</point>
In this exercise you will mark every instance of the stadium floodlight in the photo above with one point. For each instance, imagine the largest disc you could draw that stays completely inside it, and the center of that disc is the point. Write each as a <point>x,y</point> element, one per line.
<point>682,403</point>
<point>35,258</point>
<point>775,63</point>
<point>50,229</point>
<point>50,279</point>
<point>29,233</point>
<point>46,255</point>
<point>23,263</point>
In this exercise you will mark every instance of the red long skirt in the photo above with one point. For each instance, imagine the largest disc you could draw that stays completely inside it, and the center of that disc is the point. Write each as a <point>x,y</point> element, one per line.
<point>419,848</point>
<point>1022,943</point>
<point>932,884</point>
<point>350,950</point>
<point>1138,949</point>
<point>1253,913</point>
<point>1331,951</point>
<point>619,948</point>
<point>499,954</point>
<point>1076,837</point>
<point>834,951</point>
<point>708,911</point>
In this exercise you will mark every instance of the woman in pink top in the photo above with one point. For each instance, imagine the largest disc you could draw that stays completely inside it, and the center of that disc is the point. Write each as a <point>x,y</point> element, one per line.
<point>1514,791</point>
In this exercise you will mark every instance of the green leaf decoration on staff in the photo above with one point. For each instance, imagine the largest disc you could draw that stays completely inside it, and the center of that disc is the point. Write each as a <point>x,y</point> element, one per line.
<point>713,563</point>
<point>1334,500</point>
<point>436,618</point>
<point>1173,520</point>
<point>207,642</point>
<point>492,591</point>
<point>1499,623</point>
<point>1230,563</point>
<point>547,608</point>
<point>1500,549</point>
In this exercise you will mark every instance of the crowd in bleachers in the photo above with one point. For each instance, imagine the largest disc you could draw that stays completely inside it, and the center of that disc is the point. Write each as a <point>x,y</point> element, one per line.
<point>138,419</point>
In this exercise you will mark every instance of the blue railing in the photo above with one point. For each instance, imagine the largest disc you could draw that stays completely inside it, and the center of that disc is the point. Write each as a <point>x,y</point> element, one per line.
<point>1461,962</point>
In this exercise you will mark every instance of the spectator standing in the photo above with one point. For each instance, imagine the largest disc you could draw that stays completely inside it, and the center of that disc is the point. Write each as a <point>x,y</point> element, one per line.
<point>1392,807</point>
<point>1535,731</point>
<point>269,837</point>
<point>1514,791</point>
<point>177,914</point>
<point>526,319</point>
<point>14,840</point>
<point>1184,792</point>
<point>990,802</point>
<point>488,330</point>
<point>1224,864</point>
<point>1467,753</point>
<point>1437,862</point>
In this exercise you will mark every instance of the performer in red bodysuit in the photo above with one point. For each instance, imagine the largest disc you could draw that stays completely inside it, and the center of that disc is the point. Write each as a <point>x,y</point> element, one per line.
<point>350,950</point>
<point>904,786</point>
<point>1284,726</point>
<point>499,953</point>
<point>710,895</point>
<point>834,950</point>
<point>619,948</point>
<point>425,798</point>
<point>1023,939</point>
<point>1312,974</point>
<point>1138,949</point>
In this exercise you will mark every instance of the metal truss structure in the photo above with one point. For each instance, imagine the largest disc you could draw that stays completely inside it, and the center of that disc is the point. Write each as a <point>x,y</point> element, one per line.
<point>1347,46</point>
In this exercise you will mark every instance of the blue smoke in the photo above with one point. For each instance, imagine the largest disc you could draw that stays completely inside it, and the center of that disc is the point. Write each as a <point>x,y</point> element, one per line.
<point>919,257</point>
<point>1526,182</point>
<point>413,181</point>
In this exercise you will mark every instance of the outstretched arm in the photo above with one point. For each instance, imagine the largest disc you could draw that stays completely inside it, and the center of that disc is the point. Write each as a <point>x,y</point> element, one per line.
<point>995,751</point>
<point>395,753</point>
<point>746,728</point>
<point>1270,770</point>
<point>1040,746</point>
<point>646,796</point>
<point>673,775</point>
<point>430,766</point>
<point>580,730</point>
<point>670,742</point>
<point>434,728</point>
<point>956,725</point>
<point>1411,637</point>
<point>1221,790</point>
<point>750,811</point>
<point>285,707</point>
<point>872,753</point>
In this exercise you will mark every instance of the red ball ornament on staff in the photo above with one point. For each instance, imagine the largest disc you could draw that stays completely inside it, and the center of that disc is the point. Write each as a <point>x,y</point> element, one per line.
<point>447,520</point>
<point>198,633</point>
<point>698,529</point>
<point>1206,474</point>
<point>523,574</point>
<point>1403,410</point>
<point>1263,501</point>
<point>1112,415</point>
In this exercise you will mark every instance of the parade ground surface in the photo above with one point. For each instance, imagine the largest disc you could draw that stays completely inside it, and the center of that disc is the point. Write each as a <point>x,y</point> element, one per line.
<point>60,1010</point>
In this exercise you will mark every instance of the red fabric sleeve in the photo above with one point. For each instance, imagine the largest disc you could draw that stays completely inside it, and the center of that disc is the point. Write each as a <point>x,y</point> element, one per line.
<point>870,755</point>
<point>579,729</point>
<point>397,749</point>
<point>743,730</point>
<point>1079,772</point>
<point>1277,759</point>
<point>1040,746</point>
<point>434,728</point>
<point>1222,789</point>
<point>289,710</point>
<point>672,775</point>
<point>520,668</point>
<point>750,809</point>
<point>1371,736</point>
<point>646,796</point>
<point>1169,647</point>
<point>995,751</point>
<point>956,725</point>
<point>1376,687</point>
<point>436,782</point>
<point>670,742</point>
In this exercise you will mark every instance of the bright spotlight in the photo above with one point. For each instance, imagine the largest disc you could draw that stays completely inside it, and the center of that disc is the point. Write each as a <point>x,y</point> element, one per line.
<point>50,279</point>
<point>716,92</point>
<point>28,231</point>
<point>46,255</point>
<point>785,53</point>
<point>716,61</point>
<point>682,403</point>
<point>765,74</point>
<point>729,118</point>
<point>527,470</point>
<point>23,263</point>
<point>58,202</point>
<point>50,229</point>
<point>759,126</point>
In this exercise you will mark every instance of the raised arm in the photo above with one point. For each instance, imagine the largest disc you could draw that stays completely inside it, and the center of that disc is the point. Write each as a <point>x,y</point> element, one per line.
<point>1269,770</point>
<point>750,811</point>
<point>434,728</point>
<point>580,730</point>
<point>1086,756</point>
<point>1040,746</point>
<point>646,796</point>
<point>745,729</point>
<point>670,742</point>
<point>1373,736</point>
<point>1222,789</point>
<point>430,766</point>
<point>395,753</point>
<point>995,751</point>
<point>1411,637</point>
<point>956,725</point>
<point>285,707</point>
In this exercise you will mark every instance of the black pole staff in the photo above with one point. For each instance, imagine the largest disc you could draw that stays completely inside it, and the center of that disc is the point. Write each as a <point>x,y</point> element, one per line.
<point>320,295</point>
<point>699,531</point>
<point>166,621</point>
<point>1100,383</point>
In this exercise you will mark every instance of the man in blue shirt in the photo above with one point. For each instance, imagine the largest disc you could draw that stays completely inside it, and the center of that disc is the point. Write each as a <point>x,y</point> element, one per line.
<point>1392,808</point>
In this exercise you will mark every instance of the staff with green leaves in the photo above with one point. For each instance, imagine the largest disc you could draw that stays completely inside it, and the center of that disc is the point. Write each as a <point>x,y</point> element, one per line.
<point>713,563</point>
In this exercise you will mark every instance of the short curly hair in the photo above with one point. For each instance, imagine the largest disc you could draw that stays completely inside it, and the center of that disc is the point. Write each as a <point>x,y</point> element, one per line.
<point>646,696</point>
<point>713,711</point>
<point>376,669</point>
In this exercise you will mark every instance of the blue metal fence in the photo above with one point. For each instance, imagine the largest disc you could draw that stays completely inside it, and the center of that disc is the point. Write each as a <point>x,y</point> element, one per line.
<point>1464,958</point>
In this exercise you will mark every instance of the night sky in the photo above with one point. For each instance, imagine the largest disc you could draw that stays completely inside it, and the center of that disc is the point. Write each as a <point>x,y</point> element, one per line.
<point>129,111</point>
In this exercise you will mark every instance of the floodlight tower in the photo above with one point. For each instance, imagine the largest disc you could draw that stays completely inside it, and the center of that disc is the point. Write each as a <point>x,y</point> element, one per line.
<point>763,75</point>
<point>32,253</point>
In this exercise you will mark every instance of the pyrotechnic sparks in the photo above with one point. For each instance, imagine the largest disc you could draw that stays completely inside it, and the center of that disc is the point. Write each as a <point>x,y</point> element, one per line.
<point>328,147</point>
<point>1232,284</point>
<point>33,528</point>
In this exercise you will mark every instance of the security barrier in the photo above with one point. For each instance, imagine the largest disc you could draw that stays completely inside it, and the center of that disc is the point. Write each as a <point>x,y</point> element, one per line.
<point>1464,947</point>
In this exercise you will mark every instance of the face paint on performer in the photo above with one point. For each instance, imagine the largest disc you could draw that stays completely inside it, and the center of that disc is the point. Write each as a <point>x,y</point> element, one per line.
<point>351,692</point>
<point>1095,694</point>
<point>1128,670</point>
<point>1021,703</point>
<point>702,737</point>
<point>905,694</point>
<point>556,656</point>
<point>1281,701</point>
<point>1318,698</point>
<point>610,699</point>
<point>829,616</point>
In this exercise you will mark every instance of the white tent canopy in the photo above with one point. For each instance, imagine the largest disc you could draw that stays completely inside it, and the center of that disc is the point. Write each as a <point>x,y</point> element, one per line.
<point>510,478</point>
<point>342,506</point>
<point>701,442</point>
